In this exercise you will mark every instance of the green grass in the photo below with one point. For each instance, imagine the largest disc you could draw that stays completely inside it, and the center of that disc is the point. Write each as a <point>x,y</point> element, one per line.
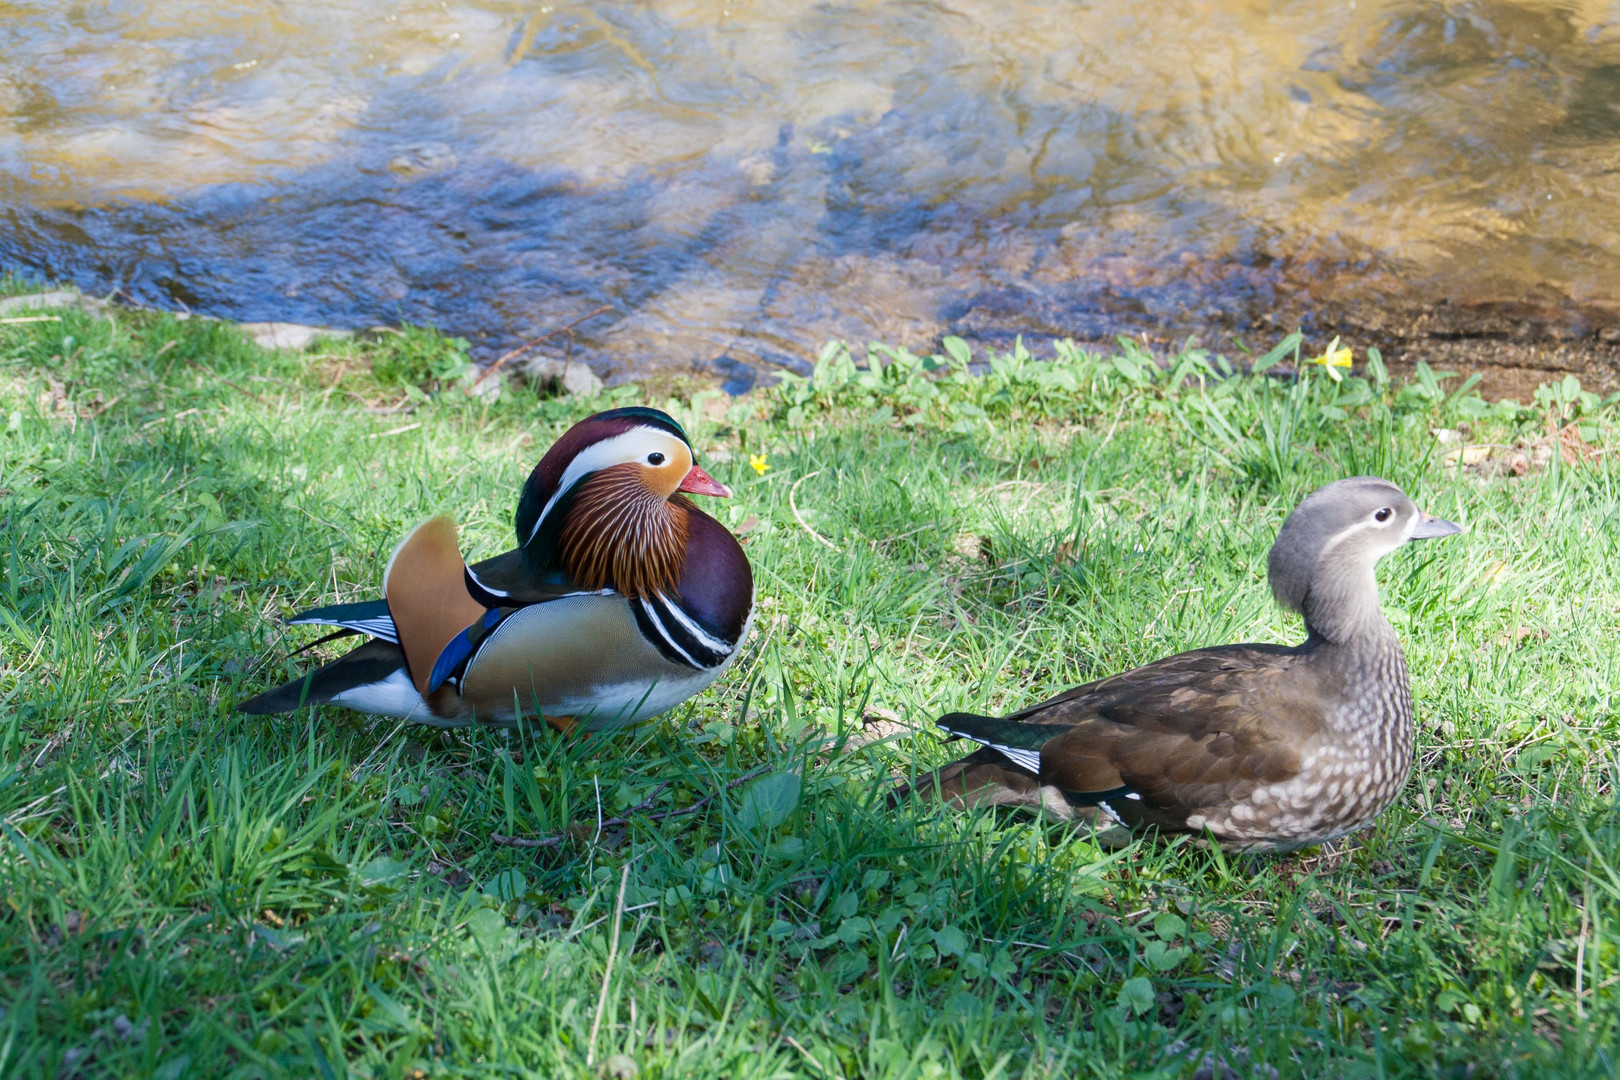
<point>188,892</point>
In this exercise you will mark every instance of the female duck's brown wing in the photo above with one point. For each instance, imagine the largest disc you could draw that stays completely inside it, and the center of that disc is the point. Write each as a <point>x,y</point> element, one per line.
<point>1194,730</point>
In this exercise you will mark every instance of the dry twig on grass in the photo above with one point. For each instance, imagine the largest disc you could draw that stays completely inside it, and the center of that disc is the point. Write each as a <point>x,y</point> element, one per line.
<point>216,375</point>
<point>527,345</point>
<point>793,504</point>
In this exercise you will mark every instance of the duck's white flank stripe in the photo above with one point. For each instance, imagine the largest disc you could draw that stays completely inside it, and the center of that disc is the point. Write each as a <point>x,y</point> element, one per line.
<point>703,636</point>
<point>652,616</point>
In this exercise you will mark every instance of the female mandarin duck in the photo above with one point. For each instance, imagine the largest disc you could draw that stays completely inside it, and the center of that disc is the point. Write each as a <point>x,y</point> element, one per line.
<point>622,600</point>
<point>1264,747</point>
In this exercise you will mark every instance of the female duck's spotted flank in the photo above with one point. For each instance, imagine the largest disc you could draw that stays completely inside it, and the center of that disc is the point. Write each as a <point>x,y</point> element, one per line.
<point>622,600</point>
<point>1264,747</point>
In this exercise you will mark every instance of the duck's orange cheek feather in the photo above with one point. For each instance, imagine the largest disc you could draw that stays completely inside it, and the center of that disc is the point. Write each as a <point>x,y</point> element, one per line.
<point>662,480</point>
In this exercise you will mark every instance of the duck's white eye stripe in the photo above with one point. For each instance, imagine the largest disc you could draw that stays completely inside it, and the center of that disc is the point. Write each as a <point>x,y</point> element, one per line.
<point>632,445</point>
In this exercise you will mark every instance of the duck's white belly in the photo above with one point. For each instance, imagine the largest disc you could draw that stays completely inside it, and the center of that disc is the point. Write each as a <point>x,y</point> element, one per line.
<point>393,696</point>
<point>626,703</point>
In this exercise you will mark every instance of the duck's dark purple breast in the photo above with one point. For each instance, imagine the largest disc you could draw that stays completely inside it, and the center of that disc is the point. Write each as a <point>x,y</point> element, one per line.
<point>717,584</point>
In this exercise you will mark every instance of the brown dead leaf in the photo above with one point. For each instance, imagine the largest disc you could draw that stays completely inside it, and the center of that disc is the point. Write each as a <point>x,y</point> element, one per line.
<point>1520,635</point>
<point>1525,457</point>
<point>879,724</point>
<point>1069,552</point>
<point>449,873</point>
<point>55,398</point>
<point>1575,450</point>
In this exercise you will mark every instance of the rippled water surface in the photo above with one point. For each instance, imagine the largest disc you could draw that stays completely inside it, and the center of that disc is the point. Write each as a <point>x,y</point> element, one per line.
<point>741,181</point>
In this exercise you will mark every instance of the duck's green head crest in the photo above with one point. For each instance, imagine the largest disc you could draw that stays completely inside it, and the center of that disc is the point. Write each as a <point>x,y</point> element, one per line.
<point>638,414</point>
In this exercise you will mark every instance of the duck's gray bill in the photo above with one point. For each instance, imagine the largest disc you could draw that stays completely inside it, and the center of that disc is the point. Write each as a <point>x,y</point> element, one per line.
<point>1433,528</point>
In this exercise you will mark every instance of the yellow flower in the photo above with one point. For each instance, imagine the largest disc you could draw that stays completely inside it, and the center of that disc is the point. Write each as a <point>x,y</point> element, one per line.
<point>758,462</point>
<point>1333,357</point>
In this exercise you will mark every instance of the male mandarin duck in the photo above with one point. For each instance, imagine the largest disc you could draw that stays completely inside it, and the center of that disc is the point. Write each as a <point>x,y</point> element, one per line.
<point>1263,747</point>
<point>622,600</point>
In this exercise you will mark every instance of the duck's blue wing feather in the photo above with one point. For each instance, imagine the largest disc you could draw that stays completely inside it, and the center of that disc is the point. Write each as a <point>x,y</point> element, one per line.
<point>456,654</point>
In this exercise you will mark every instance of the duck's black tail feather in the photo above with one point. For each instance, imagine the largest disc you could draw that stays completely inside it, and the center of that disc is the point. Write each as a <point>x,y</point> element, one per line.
<point>369,617</point>
<point>372,662</point>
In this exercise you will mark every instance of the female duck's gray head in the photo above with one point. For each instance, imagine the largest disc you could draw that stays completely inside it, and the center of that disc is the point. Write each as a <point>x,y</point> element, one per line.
<point>1322,563</point>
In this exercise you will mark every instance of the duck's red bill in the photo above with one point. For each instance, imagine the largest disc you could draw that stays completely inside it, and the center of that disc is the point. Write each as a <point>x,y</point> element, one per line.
<point>699,482</point>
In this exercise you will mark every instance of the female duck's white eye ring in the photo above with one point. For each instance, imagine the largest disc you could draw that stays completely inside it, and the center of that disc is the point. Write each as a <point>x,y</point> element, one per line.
<point>1382,514</point>
<point>655,458</point>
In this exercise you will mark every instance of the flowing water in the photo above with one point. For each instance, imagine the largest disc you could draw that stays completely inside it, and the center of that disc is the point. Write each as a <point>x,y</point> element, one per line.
<point>739,181</point>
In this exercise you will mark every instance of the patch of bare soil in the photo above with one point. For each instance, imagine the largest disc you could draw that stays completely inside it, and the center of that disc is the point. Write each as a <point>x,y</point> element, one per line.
<point>1515,345</point>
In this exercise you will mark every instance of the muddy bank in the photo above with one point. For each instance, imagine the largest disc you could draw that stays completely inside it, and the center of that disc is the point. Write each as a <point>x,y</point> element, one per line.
<point>1515,345</point>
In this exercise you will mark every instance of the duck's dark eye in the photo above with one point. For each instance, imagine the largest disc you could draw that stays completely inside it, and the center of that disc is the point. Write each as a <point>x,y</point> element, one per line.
<point>1382,515</point>
<point>658,459</point>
